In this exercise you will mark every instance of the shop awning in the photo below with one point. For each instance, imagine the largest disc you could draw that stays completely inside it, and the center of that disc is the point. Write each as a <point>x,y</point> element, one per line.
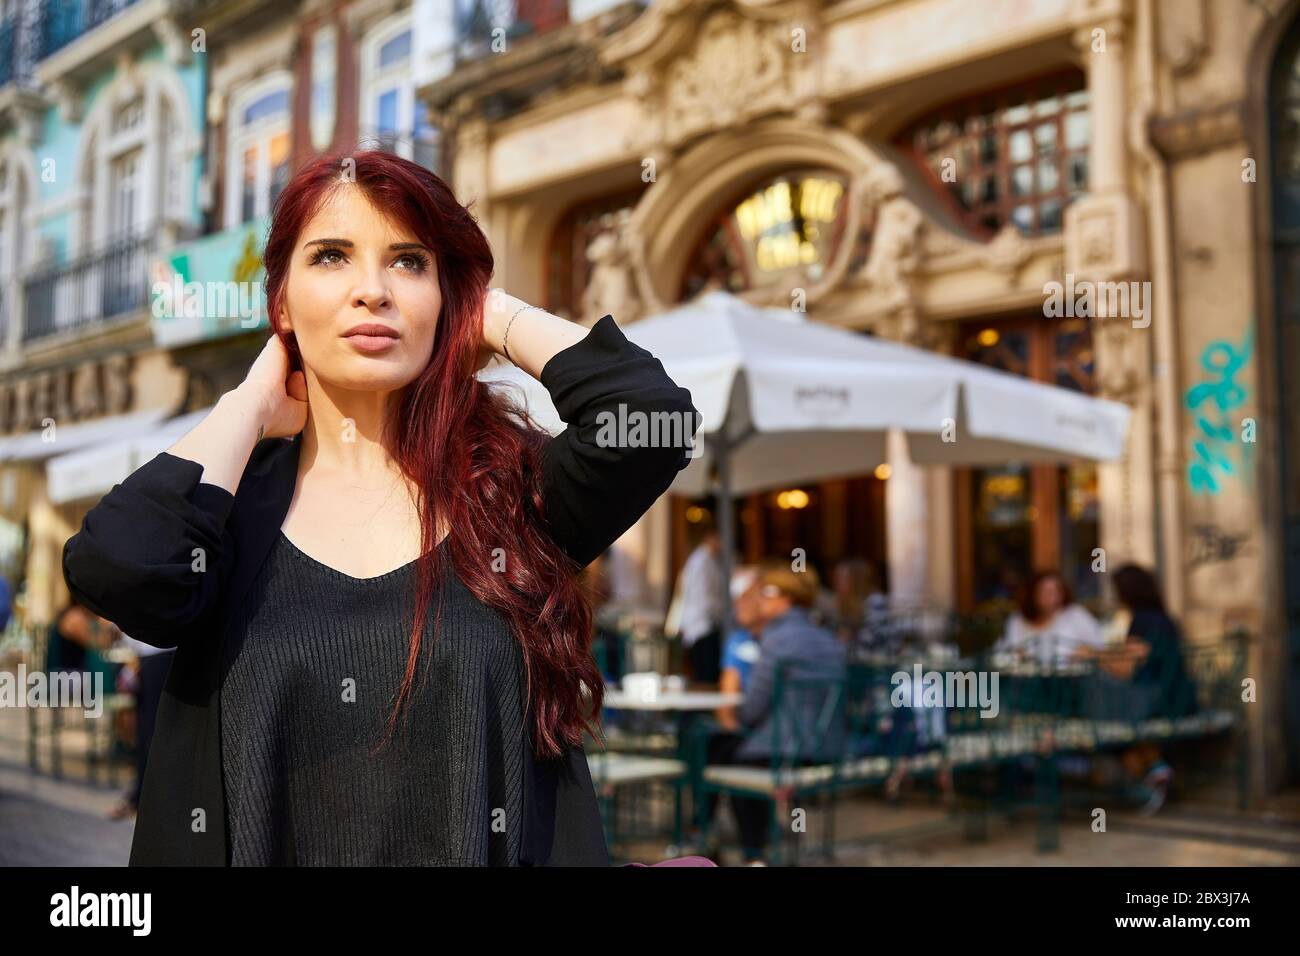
<point>39,445</point>
<point>90,472</point>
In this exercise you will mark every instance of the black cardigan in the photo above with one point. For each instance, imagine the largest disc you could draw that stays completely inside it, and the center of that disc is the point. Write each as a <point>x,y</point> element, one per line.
<point>131,562</point>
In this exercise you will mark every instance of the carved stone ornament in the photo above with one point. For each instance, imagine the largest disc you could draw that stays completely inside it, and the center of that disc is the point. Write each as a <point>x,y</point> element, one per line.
<point>697,69</point>
<point>1184,39</point>
<point>612,284</point>
<point>1103,237</point>
<point>895,242</point>
<point>1007,253</point>
<point>1117,374</point>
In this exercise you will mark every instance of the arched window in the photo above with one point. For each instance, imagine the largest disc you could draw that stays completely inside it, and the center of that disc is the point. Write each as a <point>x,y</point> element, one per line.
<point>1017,155</point>
<point>257,163</point>
<point>782,232</point>
<point>391,117</point>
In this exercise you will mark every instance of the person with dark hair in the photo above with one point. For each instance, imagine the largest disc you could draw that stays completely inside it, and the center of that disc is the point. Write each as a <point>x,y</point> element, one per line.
<point>702,608</point>
<point>1048,625</point>
<point>1152,665</point>
<point>294,544</point>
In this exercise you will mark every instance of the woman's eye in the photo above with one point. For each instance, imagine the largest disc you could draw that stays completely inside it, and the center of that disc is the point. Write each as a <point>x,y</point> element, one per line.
<point>326,256</point>
<point>412,262</point>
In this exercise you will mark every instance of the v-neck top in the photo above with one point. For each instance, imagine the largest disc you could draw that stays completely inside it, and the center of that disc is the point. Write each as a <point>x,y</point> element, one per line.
<point>310,676</point>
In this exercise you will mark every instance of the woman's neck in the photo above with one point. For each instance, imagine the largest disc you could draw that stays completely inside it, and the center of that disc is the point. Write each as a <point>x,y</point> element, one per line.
<point>344,432</point>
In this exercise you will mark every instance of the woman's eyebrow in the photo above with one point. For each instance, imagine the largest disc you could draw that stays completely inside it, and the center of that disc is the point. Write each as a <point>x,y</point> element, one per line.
<point>395,247</point>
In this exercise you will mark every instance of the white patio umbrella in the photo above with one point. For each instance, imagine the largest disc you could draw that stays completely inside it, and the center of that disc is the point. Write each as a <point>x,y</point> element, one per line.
<point>784,401</point>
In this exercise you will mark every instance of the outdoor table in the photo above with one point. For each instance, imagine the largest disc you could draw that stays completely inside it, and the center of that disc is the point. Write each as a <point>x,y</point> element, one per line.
<point>684,704</point>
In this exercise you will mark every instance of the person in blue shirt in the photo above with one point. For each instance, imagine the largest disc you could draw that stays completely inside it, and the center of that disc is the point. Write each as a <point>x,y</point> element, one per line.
<point>740,650</point>
<point>6,603</point>
<point>779,604</point>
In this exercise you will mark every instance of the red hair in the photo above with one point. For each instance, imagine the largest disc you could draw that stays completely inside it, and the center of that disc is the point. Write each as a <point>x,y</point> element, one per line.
<point>471,451</point>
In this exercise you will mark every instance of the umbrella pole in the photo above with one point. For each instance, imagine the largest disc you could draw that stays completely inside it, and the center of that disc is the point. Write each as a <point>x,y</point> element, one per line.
<point>726,525</point>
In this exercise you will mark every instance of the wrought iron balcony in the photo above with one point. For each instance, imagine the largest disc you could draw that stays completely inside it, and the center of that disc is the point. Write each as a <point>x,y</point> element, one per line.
<point>16,49</point>
<point>59,22</point>
<point>107,283</point>
<point>421,147</point>
<point>481,22</point>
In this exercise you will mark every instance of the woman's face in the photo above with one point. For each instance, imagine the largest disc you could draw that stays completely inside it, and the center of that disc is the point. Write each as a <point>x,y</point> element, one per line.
<point>1050,597</point>
<point>352,266</point>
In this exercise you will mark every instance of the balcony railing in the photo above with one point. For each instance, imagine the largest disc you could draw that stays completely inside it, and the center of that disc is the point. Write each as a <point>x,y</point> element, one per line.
<point>15,50</point>
<point>422,148</point>
<point>110,282</point>
<point>478,22</point>
<point>59,22</point>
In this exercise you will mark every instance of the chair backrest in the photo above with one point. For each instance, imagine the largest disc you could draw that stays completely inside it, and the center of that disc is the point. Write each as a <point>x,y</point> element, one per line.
<point>808,713</point>
<point>1216,671</point>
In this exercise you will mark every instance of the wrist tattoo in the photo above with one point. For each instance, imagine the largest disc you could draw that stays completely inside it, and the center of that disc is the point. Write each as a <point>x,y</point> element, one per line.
<point>261,430</point>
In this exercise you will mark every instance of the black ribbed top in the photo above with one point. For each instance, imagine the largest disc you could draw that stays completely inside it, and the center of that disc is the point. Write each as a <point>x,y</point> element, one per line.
<point>309,683</point>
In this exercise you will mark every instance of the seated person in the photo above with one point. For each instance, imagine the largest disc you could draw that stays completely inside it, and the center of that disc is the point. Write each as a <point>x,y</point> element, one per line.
<point>779,604</point>
<point>1150,675</point>
<point>741,648</point>
<point>1049,627</point>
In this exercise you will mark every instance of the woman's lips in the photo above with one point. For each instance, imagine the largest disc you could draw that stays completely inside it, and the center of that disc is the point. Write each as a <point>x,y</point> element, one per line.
<point>371,343</point>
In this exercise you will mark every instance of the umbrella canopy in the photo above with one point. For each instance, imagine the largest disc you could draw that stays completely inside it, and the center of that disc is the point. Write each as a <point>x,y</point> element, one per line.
<point>794,401</point>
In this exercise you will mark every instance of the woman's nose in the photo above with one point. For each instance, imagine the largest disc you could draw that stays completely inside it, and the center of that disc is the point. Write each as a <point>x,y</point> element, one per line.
<point>372,294</point>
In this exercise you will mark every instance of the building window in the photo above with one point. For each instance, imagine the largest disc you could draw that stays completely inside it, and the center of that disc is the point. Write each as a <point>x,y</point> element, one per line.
<point>258,152</point>
<point>324,69</point>
<point>783,233</point>
<point>1019,518</point>
<point>125,194</point>
<point>1016,155</point>
<point>392,118</point>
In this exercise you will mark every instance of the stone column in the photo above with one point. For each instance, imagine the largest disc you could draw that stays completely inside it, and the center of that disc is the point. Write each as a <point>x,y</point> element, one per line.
<point>906,522</point>
<point>1105,242</point>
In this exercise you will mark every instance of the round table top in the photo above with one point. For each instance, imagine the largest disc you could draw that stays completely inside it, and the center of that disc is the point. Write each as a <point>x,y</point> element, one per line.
<point>617,699</point>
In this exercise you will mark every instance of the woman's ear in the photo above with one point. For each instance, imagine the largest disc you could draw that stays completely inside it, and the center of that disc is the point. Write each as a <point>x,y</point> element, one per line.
<point>284,320</point>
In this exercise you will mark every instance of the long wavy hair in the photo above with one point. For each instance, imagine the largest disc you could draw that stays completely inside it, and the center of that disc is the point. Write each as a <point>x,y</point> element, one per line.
<point>472,452</point>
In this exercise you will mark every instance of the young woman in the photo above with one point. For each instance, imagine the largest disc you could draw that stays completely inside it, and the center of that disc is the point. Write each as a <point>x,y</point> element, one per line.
<point>1049,626</point>
<point>317,712</point>
<point>1155,681</point>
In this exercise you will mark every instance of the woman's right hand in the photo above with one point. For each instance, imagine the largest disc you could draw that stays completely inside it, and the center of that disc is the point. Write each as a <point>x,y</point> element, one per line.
<point>279,397</point>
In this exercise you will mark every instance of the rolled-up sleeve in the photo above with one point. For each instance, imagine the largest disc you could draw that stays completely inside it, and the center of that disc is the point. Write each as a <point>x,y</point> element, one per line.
<point>153,554</point>
<point>630,429</point>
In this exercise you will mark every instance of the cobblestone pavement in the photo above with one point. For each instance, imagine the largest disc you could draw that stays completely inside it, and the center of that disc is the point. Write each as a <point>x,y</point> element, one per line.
<point>47,822</point>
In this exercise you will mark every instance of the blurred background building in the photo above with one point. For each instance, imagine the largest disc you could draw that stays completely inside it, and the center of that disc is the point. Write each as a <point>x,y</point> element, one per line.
<point>912,169</point>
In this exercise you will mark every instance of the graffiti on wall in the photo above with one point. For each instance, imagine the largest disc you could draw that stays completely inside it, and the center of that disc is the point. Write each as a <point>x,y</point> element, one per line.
<point>1217,453</point>
<point>1210,544</point>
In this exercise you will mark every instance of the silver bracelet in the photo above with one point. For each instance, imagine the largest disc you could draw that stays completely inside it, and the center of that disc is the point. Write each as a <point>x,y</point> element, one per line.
<point>505,339</point>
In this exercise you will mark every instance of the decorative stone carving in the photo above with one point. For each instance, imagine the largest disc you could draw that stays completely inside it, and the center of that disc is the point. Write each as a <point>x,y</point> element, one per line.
<point>1184,39</point>
<point>612,285</point>
<point>175,41</point>
<point>738,70</point>
<point>895,246</point>
<point>1007,253</point>
<point>1200,130</point>
<point>1118,377</point>
<point>1103,240</point>
<point>697,69</point>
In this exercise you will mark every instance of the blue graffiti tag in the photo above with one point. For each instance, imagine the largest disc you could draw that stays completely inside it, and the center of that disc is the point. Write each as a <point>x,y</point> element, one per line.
<point>1216,438</point>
